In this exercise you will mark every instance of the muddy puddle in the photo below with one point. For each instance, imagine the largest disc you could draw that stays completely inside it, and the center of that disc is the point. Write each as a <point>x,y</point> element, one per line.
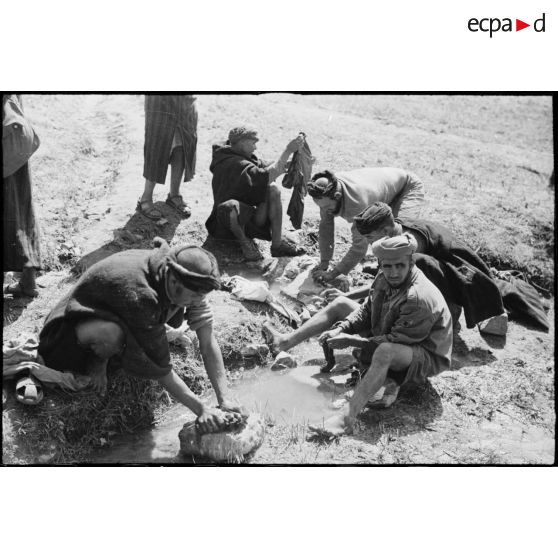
<point>297,396</point>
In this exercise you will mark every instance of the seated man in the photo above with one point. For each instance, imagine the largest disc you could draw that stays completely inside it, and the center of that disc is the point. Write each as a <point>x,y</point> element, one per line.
<point>458,272</point>
<point>408,328</point>
<point>246,201</point>
<point>117,311</point>
<point>346,194</point>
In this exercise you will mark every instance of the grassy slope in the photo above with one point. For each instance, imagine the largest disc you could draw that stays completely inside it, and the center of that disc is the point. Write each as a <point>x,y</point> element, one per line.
<point>485,162</point>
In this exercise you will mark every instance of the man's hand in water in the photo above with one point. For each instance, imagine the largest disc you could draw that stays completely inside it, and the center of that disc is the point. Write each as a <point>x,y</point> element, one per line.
<point>232,406</point>
<point>211,420</point>
<point>344,340</point>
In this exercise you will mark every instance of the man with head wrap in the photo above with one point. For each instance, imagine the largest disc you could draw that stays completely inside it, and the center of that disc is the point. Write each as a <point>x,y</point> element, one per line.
<point>246,200</point>
<point>453,266</point>
<point>345,194</point>
<point>404,324</point>
<point>117,312</point>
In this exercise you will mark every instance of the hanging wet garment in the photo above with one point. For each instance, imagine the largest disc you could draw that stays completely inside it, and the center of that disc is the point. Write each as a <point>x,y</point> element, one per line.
<point>297,176</point>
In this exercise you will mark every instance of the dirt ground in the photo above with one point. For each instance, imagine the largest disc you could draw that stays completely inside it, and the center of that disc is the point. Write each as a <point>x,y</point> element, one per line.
<point>486,163</point>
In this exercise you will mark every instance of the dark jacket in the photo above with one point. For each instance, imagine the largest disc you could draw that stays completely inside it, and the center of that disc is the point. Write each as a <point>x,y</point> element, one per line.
<point>464,278</point>
<point>127,288</point>
<point>413,314</point>
<point>237,177</point>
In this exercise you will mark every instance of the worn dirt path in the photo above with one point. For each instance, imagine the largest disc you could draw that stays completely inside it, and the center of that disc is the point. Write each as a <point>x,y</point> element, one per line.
<point>494,406</point>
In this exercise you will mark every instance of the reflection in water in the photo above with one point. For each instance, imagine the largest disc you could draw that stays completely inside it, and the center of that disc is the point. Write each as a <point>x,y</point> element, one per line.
<point>290,397</point>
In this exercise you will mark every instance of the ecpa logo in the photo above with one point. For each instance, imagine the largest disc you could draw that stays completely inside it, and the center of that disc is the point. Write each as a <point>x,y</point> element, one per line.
<point>492,25</point>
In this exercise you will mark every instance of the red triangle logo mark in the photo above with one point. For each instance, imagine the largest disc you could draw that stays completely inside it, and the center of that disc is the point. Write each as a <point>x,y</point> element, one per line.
<point>519,25</point>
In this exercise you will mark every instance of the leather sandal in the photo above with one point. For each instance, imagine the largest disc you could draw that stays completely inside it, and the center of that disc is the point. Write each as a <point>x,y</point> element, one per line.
<point>178,204</point>
<point>147,210</point>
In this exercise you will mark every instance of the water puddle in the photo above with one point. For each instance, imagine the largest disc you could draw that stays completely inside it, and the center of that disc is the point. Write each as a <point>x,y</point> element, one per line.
<point>296,396</point>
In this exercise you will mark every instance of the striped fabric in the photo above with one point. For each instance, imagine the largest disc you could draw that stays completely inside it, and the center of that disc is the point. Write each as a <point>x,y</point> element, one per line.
<point>165,114</point>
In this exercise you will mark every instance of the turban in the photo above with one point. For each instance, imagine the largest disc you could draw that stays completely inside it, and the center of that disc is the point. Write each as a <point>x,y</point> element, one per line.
<point>240,133</point>
<point>195,268</point>
<point>322,185</point>
<point>389,248</point>
<point>372,218</point>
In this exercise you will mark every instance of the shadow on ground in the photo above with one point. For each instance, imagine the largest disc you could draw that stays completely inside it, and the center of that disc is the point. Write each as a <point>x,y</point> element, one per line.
<point>138,232</point>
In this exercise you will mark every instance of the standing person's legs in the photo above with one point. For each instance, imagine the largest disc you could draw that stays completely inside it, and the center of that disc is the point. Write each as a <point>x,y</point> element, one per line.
<point>174,199</point>
<point>177,170</point>
<point>339,309</point>
<point>145,203</point>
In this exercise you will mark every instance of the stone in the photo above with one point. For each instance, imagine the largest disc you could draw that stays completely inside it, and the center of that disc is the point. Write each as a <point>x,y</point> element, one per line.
<point>284,360</point>
<point>229,446</point>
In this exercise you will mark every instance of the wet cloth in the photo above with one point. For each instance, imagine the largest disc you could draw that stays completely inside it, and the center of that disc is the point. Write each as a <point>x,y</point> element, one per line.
<point>297,176</point>
<point>245,289</point>
<point>401,190</point>
<point>165,116</point>
<point>235,177</point>
<point>413,314</point>
<point>464,278</point>
<point>127,288</point>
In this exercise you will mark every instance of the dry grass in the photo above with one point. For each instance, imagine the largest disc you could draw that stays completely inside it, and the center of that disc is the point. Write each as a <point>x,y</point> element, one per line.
<point>485,162</point>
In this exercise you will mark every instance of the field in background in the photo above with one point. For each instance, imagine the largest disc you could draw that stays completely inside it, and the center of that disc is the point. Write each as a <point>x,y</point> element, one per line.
<point>485,162</point>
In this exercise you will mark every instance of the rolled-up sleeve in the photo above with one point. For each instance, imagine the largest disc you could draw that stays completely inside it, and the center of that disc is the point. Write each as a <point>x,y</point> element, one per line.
<point>356,252</point>
<point>359,320</point>
<point>199,315</point>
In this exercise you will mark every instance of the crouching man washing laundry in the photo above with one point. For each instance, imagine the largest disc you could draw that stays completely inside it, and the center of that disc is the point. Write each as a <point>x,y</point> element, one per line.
<point>118,310</point>
<point>406,326</point>
<point>345,194</point>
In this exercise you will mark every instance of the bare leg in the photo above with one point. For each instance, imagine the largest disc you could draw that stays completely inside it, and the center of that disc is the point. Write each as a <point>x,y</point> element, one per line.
<point>271,210</point>
<point>235,227</point>
<point>147,195</point>
<point>340,308</point>
<point>177,170</point>
<point>388,355</point>
<point>105,339</point>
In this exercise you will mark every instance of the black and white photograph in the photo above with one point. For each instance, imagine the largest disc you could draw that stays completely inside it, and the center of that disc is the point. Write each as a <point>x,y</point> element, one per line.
<point>278,278</point>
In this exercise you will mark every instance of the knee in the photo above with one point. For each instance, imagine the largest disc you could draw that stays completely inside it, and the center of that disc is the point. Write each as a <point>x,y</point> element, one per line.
<point>341,307</point>
<point>228,211</point>
<point>104,338</point>
<point>274,194</point>
<point>384,353</point>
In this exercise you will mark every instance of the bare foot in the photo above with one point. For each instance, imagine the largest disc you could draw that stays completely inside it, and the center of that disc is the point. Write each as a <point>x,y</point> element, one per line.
<point>273,338</point>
